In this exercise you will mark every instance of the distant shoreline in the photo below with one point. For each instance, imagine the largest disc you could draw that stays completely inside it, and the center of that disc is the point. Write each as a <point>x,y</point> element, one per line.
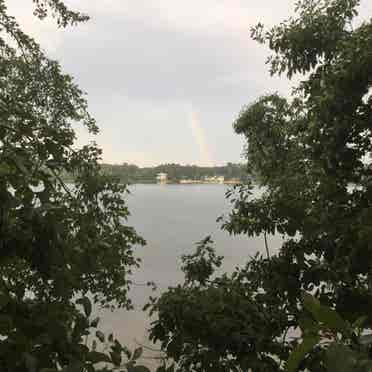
<point>183,184</point>
<point>174,174</point>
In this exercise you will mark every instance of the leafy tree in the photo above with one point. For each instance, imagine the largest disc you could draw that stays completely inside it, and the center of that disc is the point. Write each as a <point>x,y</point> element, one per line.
<point>59,243</point>
<point>311,153</point>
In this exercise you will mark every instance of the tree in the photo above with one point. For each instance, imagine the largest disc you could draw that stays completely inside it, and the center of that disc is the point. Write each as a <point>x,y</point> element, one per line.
<point>310,154</point>
<point>59,243</point>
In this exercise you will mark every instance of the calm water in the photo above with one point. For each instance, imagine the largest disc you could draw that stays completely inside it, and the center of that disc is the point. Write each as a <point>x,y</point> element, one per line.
<point>172,218</point>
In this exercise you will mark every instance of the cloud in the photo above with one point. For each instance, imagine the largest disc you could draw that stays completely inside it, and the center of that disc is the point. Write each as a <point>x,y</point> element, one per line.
<point>142,62</point>
<point>193,16</point>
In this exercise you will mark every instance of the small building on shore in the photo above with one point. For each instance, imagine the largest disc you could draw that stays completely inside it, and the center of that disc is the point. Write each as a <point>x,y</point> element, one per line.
<point>214,179</point>
<point>233,181</point>
<point>190,181</point>
<point>162,178</point>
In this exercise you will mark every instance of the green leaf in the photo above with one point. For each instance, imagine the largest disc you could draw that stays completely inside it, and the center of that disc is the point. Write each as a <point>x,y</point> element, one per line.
<point>137,353</point>
<point>332,320</point>
<point>171,368</point>
<point>161,369</point>
<point>116,358</point>
<point>90,368</point>
<point>4,300</point>
<point>30,361</point>
<point>339,358</point>
<point>310,303</point>
<point>300,352</point>
<point>325,315</point>
<point>100,336</point>
<point>365,339</point>
<point>96,357</point>
<point>5,323</point>
<point>82,349</point>
<point>360,322</point>
<point>127,352</point>
<point>20,164</point>
<point>87,305</point>
<point>138,369</point>
<point>75,367</point>
<point>116,346</point>
<point>308,324</point>
<point>94,322</point>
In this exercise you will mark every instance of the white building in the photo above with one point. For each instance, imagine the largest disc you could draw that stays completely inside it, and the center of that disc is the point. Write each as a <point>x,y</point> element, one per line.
<point>162,178</point>
<point>214,179</point>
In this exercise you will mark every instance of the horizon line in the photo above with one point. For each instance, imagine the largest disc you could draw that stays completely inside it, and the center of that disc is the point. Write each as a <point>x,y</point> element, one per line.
<point>180,164</point>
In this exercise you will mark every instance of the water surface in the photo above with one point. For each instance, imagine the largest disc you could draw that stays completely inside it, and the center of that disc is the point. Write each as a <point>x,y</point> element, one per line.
<point>172,218</point>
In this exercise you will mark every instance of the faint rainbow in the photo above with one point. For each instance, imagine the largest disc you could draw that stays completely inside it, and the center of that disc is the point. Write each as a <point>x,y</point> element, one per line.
<point>199,137</point>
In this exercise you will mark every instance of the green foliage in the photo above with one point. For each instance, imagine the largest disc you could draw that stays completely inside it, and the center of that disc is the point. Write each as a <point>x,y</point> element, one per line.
<point>309,153</point>
<point>198,267</point>
<point>299,353</point>
<point>192,318</point>
<point>63,248</point>
<point>60,11</point>
<point>342,345</point>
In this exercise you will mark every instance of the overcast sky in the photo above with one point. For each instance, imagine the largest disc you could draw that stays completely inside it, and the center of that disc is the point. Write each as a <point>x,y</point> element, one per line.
<point>165,78</point>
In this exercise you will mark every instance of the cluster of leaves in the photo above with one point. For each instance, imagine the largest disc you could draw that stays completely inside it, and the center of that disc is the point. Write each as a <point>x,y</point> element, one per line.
<point>199,267</point>
<point>345,347</point>
<point>58,242</point>
<point>60,11</point>
<point>222,324</point>
<point>309,153</point>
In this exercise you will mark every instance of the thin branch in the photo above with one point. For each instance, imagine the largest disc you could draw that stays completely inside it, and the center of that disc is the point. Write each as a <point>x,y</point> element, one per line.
<point>140,284</point>
<point>16,38</point>
<point>266,246</point>
<point>61,182</point>
<point>148,347</point>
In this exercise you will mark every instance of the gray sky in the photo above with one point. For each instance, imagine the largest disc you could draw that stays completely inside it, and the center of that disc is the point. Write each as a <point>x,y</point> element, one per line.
<point>165,78</point>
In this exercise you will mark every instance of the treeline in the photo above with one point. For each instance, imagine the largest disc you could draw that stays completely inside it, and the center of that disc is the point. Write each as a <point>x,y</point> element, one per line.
<point>130,173</point>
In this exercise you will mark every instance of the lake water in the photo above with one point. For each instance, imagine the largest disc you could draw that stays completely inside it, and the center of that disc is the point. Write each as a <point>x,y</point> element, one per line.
<point>172,218</point>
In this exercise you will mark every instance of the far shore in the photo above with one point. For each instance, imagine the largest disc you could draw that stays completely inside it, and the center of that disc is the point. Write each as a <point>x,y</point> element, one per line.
<point>184,183</point>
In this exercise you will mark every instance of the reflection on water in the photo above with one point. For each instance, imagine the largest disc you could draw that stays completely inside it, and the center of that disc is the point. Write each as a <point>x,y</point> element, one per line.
<point>172,218</point>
